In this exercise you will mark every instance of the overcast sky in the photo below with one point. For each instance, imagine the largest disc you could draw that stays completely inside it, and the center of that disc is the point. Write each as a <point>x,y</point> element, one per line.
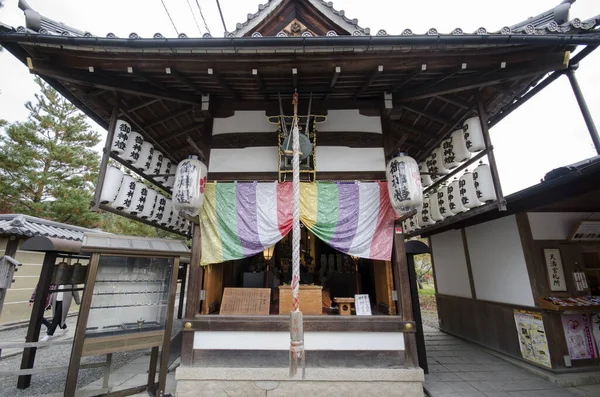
<point>543,134</point>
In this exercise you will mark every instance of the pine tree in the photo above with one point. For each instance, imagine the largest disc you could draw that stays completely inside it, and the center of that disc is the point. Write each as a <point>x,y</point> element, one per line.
<point>47,163</point>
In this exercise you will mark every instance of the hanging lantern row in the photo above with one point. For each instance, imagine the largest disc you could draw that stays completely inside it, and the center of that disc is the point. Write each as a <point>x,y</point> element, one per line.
<point>458,148</point>
<point>123,193</point>
<point>141,154</point>
<point>471,190</point>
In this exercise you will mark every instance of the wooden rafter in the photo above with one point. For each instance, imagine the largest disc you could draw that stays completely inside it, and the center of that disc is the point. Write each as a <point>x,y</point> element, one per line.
<point>183,79</point>
<point>454,101</point>
<point>374,75</point>
<point>424,113</point>
<point>171,114</point>
<point>216,77</point>
<point>259,82</point>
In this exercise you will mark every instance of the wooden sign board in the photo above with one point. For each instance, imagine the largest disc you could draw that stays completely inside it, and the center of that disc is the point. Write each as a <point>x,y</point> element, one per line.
<point>556,274</point>
<point>362,305</point>
<point>246,301</point>
<point>587,231</point>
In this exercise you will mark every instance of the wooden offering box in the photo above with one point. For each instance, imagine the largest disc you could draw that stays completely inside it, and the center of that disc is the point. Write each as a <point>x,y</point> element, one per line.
<point>311,299</point>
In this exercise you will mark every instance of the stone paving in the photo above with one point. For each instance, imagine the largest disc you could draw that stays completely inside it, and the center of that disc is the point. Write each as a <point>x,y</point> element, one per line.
<point>461,369</point>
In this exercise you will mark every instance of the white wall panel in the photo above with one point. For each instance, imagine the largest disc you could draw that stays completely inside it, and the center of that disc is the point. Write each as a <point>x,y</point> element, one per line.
<point>556,225</point>
<point>498,263</point>
<point>450,263</point>
<point>349,120</point>
<point>252,159</point>
<point>336,158</point>
<point>243,121</point>
<point>247,340</point>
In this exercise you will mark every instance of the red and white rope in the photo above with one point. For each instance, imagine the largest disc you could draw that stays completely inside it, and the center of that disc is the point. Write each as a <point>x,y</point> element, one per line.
<point>295,213</point>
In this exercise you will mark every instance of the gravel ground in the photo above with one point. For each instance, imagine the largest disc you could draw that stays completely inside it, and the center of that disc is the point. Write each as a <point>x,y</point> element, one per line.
<point>57,356</point>
<point>430,318</point>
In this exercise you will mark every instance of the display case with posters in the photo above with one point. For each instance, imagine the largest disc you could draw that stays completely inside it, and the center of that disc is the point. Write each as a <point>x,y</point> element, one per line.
<point>128,303</point>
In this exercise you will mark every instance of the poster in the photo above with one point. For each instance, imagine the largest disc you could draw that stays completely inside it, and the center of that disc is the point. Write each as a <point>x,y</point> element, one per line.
<point>532,337</point>
<point>579,336</point>
<point>362,304</point>
<point>556,274</point>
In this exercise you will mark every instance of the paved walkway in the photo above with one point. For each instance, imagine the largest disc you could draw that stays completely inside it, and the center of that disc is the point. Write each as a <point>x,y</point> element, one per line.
<point>462,369</point>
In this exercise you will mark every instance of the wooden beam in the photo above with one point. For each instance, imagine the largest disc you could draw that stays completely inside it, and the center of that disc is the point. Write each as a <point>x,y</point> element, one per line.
<point>183,79</point>
<point>407,80</point>
<point>321,176</point>
<point>429,116</point>
<point>411,130</point>
<point>533,69</point>
<point>369,81</point>
<point>110,82</point>
<point>259,83</point>
<point>216,77</point>
<point>172,114</point>
<point>142,105</point>
<point>182,131</point>
<point>354,139</point>
<point>334,79</point>
<point>295,77</point>
<point>453,101</point>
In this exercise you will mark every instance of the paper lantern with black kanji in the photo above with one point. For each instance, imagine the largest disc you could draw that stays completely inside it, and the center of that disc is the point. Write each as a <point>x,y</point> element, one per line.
<point>435,164</point>
<point>134,147</point>
<point>484,184</point>
<point>111,186</point>
<point>406,227</point>
<point>138,202</point>
<point>434,207</point>
<point>156,164</point>
<point>126,192</point>
<point>443,203</point>
<point>425,214</point>
<point>188,190</point>
<point>404,184</point>
<point>455,150</point>
<point>120,137</point>
<point>414,221</point>
<point>468,195</point>
<point>159,208</point>
<point>149,205</point>
<point>145,159</point>
<point>473,135</point>
<point>425,177</point>
<point>167,214</point>
<point>165,169</point>
<point>454,199</point>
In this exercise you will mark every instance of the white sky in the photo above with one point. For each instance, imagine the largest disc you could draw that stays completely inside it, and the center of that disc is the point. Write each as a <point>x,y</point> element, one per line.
<point>543,134</point>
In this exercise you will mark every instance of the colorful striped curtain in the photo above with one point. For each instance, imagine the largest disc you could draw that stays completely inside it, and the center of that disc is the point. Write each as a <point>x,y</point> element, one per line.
<point>242,219</point>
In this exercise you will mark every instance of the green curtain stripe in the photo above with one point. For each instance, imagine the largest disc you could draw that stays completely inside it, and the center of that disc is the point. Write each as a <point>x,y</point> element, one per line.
<point>227,216</point>
<point>327,210</point>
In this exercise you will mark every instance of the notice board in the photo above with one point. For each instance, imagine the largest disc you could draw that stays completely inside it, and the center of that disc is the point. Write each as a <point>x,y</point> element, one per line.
<point>532,337</point>
<point>246,301</point>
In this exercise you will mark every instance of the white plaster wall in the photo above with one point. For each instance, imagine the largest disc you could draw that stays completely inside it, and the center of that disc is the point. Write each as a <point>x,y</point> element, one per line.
<point>349,120</point>
<point>498,263</point>
<point>556,225</point>
<point>450,263</point>
<point>338,158</point>
<point>243,121</point>
<point>252,159</point>
<point>248,340</point>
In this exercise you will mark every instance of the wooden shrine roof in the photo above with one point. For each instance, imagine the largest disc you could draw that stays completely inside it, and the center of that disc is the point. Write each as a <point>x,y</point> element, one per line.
<point>172,88</point>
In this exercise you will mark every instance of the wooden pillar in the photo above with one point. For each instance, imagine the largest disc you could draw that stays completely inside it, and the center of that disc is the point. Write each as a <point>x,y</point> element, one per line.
<point>402,282</point>
<point>11,246</point>
<point>110,133</point>
<point>192,307</point>
<point>182,291</point>
<point>416,307</point>
<point>35,321</point>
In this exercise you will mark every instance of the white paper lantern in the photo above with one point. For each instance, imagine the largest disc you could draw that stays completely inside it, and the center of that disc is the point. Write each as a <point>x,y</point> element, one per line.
<point>145,159</point>
<point>455,150</point>
<point>454,199</point>
<point>468,195</point>
<point>165,169</point>
<point>404,184</point>
<point>425,178</point>
<point>157,160</point>
<point>171,180</point>
<point>167,214</point>
<point>184,226</point>
<point>425,215</point>
<point>139,199</point>
<point>188,190</point>
<point>484,184</point>
<point>148,210</point>
<point>120,137</point>
<point>434,208</point>
<point>159,209</point>
<point>134,146</point>
<point>435,164</point>
<point>126,192</point>
<point>175,223</point>
<point>111,186</point>
<point>443,203</point>
<point>406,227</point>
<point>473,135</point>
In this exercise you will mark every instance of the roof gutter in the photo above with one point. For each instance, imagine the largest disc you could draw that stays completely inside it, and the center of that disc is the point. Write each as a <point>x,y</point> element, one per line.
<point>309,42</point>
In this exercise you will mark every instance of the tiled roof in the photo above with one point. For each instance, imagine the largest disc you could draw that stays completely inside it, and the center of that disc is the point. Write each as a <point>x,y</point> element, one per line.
<point>326,7</point>
<point>553,21</point>
<point>30,226</point>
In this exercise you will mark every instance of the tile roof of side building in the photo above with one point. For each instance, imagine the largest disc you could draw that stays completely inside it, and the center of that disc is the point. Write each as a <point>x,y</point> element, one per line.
<point>30,226</point>
<point>553,21</point>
